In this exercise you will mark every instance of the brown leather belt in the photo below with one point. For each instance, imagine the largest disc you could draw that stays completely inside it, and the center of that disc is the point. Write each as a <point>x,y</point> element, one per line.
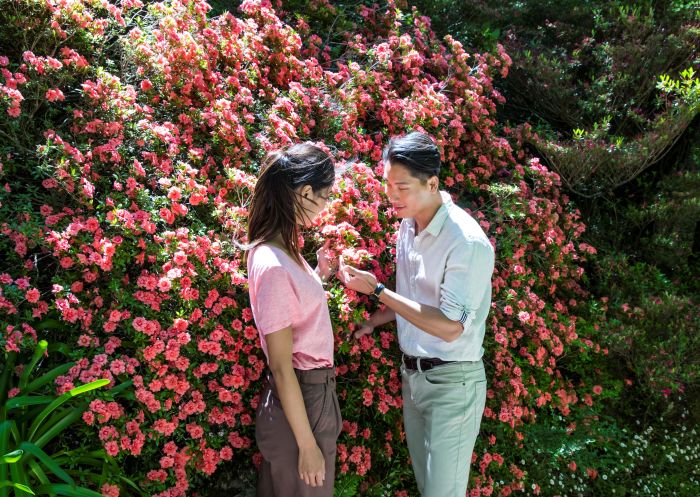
<point>422,363</point>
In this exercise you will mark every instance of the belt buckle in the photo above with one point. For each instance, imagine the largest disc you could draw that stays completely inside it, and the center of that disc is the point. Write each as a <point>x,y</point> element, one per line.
<point>407,361</point>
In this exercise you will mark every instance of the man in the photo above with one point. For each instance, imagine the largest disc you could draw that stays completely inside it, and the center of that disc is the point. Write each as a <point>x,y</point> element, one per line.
<point>444,263</point>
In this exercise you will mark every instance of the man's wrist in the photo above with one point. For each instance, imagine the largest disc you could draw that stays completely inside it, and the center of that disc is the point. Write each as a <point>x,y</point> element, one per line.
<point>378,289</point>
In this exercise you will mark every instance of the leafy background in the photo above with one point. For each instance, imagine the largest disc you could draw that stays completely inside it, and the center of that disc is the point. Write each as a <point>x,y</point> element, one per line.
<point>131,136</point>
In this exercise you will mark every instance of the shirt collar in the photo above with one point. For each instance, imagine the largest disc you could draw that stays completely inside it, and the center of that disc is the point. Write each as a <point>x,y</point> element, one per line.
<point>435,225</point>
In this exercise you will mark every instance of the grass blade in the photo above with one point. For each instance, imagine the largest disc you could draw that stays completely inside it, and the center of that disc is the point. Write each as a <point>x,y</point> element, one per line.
<point>46,460</point>
<point>61,400</point>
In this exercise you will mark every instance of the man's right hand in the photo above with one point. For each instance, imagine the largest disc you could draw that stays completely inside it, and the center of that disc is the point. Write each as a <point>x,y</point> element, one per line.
<point>312,465</point>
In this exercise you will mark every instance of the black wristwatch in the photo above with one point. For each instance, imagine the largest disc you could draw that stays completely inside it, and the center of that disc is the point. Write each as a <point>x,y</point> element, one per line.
<point>378,290</point>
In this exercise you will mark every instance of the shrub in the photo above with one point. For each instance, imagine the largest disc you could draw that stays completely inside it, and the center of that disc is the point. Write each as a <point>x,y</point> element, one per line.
<point>120,215</point>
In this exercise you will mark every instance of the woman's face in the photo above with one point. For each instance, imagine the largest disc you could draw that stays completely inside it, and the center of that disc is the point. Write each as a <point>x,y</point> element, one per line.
<point>311,203</point>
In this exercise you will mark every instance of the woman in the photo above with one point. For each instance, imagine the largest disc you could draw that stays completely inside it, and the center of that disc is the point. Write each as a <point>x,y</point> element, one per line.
<point>298,418</point>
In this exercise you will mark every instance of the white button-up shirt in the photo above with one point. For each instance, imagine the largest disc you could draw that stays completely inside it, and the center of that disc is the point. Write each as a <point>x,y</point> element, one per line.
<point>448,266</point>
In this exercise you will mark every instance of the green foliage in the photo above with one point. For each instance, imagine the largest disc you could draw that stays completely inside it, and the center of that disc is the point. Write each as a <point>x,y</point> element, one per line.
<point>606,458</point>
<point>653,331</point>
<point>34,428</point>
<point>587,74</point>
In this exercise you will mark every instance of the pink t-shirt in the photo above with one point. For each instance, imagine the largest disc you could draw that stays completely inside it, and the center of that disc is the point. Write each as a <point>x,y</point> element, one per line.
<point>282,293</point>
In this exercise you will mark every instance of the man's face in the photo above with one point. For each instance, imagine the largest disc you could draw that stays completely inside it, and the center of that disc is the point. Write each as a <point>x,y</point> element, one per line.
<point>407,194</point>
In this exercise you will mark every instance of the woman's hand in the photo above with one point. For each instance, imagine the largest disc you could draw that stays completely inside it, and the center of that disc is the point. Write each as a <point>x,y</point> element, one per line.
<point>365,329</point>
<point>312,465</point>
<point>325,261</point>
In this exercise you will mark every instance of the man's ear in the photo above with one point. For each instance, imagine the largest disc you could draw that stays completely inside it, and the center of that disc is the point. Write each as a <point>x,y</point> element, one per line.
<point>434,183</point>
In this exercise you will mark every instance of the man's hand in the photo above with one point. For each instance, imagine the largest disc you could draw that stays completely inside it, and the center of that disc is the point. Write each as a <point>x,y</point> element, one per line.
<point>360,281</point>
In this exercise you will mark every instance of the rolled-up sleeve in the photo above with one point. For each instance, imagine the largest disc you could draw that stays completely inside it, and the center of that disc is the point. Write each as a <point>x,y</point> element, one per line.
<point>467,278</point>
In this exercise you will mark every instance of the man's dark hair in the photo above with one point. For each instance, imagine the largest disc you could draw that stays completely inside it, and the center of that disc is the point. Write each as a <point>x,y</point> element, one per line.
<point>417,152</point>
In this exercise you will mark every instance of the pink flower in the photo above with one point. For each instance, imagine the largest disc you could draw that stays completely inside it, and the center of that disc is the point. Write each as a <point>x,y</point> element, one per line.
<point>109,490</point>
<point>112,448</point>
<point>174,193</point>
<point>55,95</point>
<point>32,295</point>
<point>180,258</point>
<point>164,285</point>
<point>180,324</point>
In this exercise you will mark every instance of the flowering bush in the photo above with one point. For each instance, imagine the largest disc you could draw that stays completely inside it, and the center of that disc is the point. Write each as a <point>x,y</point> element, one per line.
<point>134,134</point>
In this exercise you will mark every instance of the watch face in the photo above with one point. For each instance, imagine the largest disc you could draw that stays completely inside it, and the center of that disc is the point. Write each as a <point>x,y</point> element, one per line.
<point>378,289</point>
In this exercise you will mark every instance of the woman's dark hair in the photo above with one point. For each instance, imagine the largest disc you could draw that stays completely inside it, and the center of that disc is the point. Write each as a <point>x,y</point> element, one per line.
<point>417,152</point>
<point>275,202</point>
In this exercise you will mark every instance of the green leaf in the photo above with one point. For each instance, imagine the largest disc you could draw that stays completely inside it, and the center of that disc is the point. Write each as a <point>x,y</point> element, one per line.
<point>88,387</point>
<point>46,460</point>
<point>5,428</point>
<point>39,352</point>
<point>121,387</point>
<point>61,425</point>
<point>62,399</point>
<point>6,371</point>
<point>19,477</point>
<point>25,400</point>
<point>12,457</point>
<point>131,484</point>
<point>49,377</point>
<point>4,439</point>
<point>70,490</point>
<point>347,486</point>
<point>60,347</point>
<point>38,472</point>
<point>18,486</point>
<point>49,324</point>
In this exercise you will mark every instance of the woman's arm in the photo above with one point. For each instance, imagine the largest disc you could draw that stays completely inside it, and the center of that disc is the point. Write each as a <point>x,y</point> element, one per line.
<point>312,465</point>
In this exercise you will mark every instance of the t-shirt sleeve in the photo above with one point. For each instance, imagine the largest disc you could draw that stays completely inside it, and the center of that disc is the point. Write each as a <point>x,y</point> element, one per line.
<point>273,299</point>
<point>467,277</point>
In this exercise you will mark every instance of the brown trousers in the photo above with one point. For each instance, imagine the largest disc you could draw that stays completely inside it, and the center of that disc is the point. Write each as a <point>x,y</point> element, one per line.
<point>279,474</point>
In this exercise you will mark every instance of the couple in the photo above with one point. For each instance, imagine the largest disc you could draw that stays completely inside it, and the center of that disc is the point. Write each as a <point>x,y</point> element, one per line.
<point>444,263</point>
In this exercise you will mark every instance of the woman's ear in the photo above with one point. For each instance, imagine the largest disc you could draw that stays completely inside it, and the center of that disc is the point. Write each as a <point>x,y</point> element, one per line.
<point>306,191</point>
